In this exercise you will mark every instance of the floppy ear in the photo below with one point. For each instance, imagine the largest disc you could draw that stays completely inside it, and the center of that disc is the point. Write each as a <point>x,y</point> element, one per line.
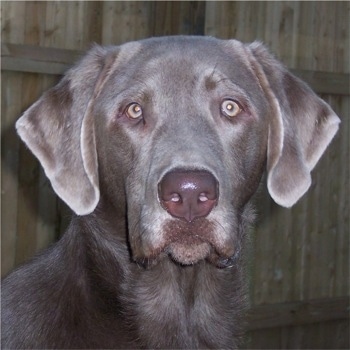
<point>301,126</point>
<point>59,130</point>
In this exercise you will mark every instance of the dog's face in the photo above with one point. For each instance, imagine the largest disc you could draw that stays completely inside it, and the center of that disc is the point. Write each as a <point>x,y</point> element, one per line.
<point>171,112</point>
<point>179,130</point>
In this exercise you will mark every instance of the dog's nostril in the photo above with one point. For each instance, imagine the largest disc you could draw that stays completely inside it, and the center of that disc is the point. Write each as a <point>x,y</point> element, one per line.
<point>202,197</point>
<point>175,197</point>
<point>188,194</point>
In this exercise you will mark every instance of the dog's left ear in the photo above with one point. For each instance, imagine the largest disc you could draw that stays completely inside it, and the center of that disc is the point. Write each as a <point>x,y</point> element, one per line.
<point>301,126</point>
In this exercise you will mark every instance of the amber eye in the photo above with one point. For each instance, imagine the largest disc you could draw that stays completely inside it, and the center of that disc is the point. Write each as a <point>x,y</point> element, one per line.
<point>134,111</point>
<point>230,108</point>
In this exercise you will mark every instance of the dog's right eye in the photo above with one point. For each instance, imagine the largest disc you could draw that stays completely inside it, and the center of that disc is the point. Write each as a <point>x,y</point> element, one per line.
<point>230,108</point>
<point>134,111</point>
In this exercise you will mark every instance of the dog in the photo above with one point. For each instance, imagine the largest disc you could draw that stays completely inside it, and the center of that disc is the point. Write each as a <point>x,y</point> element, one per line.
<point>158,146</point>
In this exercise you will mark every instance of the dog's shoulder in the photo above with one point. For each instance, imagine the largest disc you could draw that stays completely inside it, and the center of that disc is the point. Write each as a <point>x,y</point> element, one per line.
<point>32,294</point>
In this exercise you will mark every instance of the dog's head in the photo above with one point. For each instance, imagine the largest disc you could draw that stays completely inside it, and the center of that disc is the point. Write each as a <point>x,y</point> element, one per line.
<point>179,130</point>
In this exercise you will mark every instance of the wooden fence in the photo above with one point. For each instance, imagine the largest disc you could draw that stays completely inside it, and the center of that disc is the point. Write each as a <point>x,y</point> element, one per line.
<point>299,266</point>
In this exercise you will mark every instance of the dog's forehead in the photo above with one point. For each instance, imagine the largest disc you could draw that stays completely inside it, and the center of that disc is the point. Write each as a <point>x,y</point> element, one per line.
<point>183,58</point>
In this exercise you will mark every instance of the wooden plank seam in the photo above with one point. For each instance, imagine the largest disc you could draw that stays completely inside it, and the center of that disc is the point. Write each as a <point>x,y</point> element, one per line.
<point>43,60</point>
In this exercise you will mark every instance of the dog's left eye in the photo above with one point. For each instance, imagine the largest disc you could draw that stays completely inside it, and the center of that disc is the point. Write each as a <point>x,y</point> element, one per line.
<point>230,108</point>
<point>134,111</point>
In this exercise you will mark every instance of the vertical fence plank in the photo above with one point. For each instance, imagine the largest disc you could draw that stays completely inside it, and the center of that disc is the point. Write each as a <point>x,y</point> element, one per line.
<point>221,19</point>
<point>10,108</point>
<point>12,30</point>
<point>341,259</point>
<point>125,21</point>
<point>55,24</point>
<point>178,17</point>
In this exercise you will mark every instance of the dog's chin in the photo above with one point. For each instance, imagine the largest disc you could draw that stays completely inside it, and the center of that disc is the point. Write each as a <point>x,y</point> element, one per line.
<point>188,254</point>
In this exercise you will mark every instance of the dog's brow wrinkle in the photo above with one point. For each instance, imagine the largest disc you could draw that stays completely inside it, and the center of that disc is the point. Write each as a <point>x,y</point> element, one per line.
<point>210,84</point>
<point>222,79</point>
<point>214,69</point>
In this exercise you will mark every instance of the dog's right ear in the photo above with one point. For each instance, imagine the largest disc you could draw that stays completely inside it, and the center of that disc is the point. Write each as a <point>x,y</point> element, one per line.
<point>59,130</point>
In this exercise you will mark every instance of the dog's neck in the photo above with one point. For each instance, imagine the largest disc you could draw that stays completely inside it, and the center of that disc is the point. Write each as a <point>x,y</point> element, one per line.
<point>178,305</point>
<point>167,302</point>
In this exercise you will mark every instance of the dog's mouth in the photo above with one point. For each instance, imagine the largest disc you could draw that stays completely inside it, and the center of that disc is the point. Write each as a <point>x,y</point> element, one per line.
<point>189,243</point>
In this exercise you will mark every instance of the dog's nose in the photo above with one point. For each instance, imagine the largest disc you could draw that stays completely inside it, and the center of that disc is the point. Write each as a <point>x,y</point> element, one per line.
<point>188,194</point>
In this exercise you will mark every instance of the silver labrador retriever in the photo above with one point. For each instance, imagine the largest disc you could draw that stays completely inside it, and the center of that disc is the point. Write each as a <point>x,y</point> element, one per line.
<point>158,146</point>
